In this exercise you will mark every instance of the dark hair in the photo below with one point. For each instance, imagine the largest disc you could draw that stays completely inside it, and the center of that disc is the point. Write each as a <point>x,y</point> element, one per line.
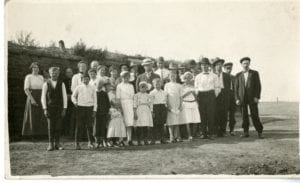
<point>92,70</point>
<point>85,76</point>
<point>124,65</point>
<point>81,62</point>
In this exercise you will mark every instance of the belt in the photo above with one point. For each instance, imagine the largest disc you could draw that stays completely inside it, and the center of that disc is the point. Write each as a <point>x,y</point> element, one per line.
<point>189,101</point>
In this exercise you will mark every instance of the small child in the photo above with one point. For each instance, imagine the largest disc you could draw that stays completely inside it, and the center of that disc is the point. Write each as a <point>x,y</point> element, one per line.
<point>54,102</point>
<point>116,127</point>
<point>143,113</point>
<point>84,98</point>
<point>174,119</point>
<point>100,124</point>
<point>124,95</point>
<point>160,111</point>
<point>189,104</point>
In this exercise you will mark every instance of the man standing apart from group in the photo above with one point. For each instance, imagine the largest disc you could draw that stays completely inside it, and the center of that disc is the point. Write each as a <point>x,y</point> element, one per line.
<point>232,107</point>
<point>247,93</point>
<point>206,85</point>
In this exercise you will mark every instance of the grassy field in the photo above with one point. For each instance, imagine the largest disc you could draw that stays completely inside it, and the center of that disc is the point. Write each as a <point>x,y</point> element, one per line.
<point>278,153</point>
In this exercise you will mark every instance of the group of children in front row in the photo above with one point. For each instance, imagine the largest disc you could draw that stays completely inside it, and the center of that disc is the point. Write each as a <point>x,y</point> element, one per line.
<point>109,114</point>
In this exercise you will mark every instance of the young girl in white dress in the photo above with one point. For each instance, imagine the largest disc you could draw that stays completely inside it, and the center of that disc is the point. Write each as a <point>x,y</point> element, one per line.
<point>125,93</point>
<point>174,119</point>
<point>116,126</point>
<point>143,113</point>
<point>189,104</point>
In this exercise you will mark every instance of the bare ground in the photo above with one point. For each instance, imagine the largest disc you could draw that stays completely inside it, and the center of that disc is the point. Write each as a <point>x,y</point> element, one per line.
<point>278,153</point>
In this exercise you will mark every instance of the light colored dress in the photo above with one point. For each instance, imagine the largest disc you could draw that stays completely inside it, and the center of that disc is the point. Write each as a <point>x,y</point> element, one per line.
<point>174,92</point>
<point>143,103</point>
<point>116,126</point>
<point>125,93</point>
<point>190,106</point>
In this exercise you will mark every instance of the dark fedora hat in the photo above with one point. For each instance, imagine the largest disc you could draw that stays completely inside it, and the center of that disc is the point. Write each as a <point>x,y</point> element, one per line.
<point>228,64</point>
<point>204,60</point>
<point>244,59</point>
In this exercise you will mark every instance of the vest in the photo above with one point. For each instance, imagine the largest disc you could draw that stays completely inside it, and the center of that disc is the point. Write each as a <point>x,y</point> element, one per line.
<point>54,97</point>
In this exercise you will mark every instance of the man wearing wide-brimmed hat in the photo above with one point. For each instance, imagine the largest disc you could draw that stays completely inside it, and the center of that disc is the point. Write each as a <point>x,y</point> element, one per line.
<point>148,75</point>
<point>163,73</point>
<point>222,99</point>
<point>247,93</point>
<point>192,67</point>
<point>232,106</point>
<point>206,86</point>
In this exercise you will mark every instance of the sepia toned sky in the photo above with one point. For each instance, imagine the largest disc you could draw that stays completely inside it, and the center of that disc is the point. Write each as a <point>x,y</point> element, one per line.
<point>268,32</point>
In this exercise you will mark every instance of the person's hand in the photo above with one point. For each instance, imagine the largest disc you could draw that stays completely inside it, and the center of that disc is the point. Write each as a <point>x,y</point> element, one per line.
<point>94,114</point>
<point>33,102</point>
<point>256,100</point>
<point>46,113</point>
<point>238,102</point>
<point>63,113</point>
<point>76,105</point>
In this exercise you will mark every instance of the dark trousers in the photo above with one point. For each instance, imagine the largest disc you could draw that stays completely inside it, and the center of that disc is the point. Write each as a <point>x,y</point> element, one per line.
<point>84,121</point>
<point>207,104</point>
<point>254,115</point>
<point>143,133</point>
<point>160,116</point>
<point>220,114</point>
<point>231,112</point>
<point>68,125</point>
<point>54,124</point>
<point>100,126</point>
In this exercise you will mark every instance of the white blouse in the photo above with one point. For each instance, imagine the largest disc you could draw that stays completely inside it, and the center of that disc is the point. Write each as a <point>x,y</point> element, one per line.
<point>125,91</point>
<point>34,82</point>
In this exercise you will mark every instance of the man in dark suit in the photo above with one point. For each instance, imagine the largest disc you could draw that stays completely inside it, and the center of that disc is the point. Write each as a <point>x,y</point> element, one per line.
<point>232,106</point>
<point>247,93</point>
<point>222,100</point>
<point>148,75</point>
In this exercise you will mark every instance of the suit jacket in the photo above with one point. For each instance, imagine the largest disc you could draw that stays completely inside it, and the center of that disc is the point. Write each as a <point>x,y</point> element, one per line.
<point>225,92</point>
<point>143,77</point>
<point>252,87</point>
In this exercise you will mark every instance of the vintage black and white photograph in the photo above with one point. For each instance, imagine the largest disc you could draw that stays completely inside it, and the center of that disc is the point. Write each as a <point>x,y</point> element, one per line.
<point>152,88</point>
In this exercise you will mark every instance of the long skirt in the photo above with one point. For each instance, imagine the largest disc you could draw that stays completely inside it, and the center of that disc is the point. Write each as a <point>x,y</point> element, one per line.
<point>128,114</point>
<point>34,121</point>
<point>175,117</point>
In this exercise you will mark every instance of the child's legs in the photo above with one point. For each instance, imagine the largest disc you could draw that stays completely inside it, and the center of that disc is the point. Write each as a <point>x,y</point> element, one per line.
<point>139,133</point>
<point>188,129</point>
<point>150,133</point>
<point>171,131</point>
<point>89,123</point>
<point>176,132</point>
<point>79,123</point>
<point>129,133</point>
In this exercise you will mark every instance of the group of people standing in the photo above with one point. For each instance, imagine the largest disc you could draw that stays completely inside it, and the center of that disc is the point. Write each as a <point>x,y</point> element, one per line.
<point>112,106</point>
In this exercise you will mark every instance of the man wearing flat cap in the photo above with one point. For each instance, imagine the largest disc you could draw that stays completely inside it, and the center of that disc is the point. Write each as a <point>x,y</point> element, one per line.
<point>163,73</point>
<point>206,84</point>
<point>222,99</point>
<point>232,106</point>
<point>247,93</point>
<point>148,75</point>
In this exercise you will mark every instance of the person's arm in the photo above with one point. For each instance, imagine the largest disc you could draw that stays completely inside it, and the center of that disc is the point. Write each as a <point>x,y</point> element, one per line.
<point>137,83</point>
<point>135,105</point>
<point>257,88</point>
<point>27,91</point>
<point>43,96</point>
<point>65,96</point>
<point>196,84</point>
<point>236,89</point>
<point>216,85</point>
<point>74,83</point>
<point>95,99</point>
<point>118,94</point>
<point>181,99</point>
<point>74,97</point>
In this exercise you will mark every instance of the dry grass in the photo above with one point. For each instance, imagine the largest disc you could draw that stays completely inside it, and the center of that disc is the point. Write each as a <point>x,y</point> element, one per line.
<point>276,154</point>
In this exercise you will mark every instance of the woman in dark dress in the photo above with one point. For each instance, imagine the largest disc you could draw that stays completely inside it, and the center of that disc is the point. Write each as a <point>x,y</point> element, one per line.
<point>34,122</point>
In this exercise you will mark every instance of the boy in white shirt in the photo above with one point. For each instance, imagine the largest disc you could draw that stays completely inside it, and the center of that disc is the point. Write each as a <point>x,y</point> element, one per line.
<point>54,102</point>
<point>84,98</point>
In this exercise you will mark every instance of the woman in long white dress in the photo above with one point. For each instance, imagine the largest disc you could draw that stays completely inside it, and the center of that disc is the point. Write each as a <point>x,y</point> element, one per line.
<point>124,94</point>
<point>174,118</point>
<point>189,104</point>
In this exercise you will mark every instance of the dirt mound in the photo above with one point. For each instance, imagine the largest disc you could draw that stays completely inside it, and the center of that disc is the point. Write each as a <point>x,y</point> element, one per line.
<point>267,168</point>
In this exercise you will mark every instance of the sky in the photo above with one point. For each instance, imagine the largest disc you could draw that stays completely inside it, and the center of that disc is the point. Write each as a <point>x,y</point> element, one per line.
<point>266,31</point>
